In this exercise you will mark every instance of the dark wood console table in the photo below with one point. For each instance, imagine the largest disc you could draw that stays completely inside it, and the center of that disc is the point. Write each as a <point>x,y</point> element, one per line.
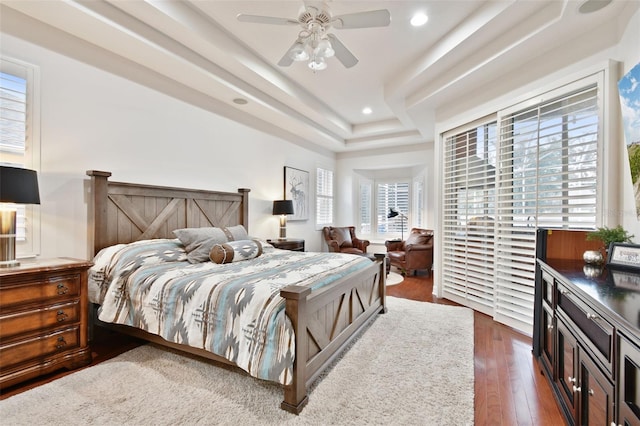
<point>587,339</point>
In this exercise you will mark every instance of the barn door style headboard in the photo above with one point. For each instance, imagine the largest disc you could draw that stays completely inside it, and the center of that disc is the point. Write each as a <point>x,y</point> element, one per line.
<point>127,212</point>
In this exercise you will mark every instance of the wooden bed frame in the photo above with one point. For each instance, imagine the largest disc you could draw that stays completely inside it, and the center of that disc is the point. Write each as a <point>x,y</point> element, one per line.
<point>325,321</point>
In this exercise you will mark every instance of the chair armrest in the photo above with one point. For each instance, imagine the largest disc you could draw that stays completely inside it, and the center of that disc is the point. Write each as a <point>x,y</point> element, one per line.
<point>360,244</point>
<point>333,246</point>
<point>394,245</point>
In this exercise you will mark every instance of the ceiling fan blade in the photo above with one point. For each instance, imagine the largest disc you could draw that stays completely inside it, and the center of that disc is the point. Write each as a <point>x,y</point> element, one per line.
<point>257,19</point>
<point>287,60</point>
<point>372,18</point>
<point>341,52</point>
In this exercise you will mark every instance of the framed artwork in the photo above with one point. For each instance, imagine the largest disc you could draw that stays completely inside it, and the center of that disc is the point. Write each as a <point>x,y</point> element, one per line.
<point>629,91</point>
<point>624,256</point>
<point>296,188</point>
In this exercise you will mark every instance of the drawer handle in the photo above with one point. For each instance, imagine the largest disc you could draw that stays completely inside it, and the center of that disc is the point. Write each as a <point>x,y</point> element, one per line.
<point>592,317</point>
<point>62,289</point>
<point>550,327</point>
<point>576,389</point>
<point>591,392</point>
<point>61,316</point>
<point>571,379</point>
<point>61,343</point>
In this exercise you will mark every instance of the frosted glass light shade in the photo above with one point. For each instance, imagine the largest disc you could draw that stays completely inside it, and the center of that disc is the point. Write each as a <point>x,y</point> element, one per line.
<point>317,64</point>
<point>324,49</point>
<point>298,52</point>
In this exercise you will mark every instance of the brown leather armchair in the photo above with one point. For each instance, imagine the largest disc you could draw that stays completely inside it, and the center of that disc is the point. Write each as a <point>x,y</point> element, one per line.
<point>343,240</point>
<point>416,252</point>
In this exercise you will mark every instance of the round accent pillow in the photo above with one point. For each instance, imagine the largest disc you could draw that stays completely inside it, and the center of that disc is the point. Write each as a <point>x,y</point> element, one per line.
<point>235,251</point>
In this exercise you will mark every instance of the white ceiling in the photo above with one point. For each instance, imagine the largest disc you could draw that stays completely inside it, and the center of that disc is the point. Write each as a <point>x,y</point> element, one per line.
<point>198,51</point>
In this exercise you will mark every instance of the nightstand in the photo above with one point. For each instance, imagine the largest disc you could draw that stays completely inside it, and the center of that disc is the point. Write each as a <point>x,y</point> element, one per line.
<point>291,244</point>
<point>43,318</point>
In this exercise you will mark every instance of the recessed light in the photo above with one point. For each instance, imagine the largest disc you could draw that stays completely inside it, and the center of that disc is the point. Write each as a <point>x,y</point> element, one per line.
<point>419,19</point>
<point>367,110</point>
<point>590,6</point>
<point>240,101</point>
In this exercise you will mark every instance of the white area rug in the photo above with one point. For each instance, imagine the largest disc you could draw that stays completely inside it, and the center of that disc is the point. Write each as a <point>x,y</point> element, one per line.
<point>413,366</point>
<point>394,278</point>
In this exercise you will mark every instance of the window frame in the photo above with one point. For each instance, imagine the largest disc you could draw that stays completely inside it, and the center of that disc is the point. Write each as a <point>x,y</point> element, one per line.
<point>326,197</point>
<point>30,246</point>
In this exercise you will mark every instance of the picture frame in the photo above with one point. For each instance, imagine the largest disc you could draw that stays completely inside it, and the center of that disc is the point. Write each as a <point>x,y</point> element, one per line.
<point>296,188</point>
<point>624,256</point>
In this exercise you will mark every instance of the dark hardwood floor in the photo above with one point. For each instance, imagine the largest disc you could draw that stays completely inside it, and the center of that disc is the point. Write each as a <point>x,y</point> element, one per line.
<point>509,387</point>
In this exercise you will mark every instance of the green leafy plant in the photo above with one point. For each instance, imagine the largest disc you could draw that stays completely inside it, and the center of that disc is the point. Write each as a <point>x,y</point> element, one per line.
<point>609,235</point>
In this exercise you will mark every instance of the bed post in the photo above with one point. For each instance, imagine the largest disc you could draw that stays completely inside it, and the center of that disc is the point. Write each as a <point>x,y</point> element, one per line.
<point>98,210</point>
<point>244,214</point>
<point>382,260</point>
<point>295,394</point>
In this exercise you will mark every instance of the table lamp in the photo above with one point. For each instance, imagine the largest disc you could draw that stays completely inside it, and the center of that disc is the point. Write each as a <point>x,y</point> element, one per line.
<point>17,186</point>
<point>283,208</point>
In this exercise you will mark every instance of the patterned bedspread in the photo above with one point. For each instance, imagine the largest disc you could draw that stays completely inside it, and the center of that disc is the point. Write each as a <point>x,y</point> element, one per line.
<point>233,310</point>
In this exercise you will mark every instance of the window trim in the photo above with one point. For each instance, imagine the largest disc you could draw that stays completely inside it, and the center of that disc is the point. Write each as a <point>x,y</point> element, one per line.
<point>30,247</point>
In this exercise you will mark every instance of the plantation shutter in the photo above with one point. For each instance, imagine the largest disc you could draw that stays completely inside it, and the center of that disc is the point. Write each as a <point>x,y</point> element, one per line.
<point>468,220</point>
<point>541,171</point>
<point>396,195</point>
<point>548,178</point>
<point>13,133</point>
<point>324,197</point>
<point>365,207</point>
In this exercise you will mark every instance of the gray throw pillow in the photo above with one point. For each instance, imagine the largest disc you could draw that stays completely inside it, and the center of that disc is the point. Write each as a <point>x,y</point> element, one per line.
<point>199,241</point>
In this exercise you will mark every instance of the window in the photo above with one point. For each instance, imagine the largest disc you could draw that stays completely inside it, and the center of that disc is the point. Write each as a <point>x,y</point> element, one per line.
<point>535,166</point>
<point>19,140</point>
<point>324,197</point>
<point>375,205</point>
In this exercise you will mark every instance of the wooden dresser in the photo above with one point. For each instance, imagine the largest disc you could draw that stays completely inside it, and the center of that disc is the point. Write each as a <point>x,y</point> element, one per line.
<point>43,318</point>
<point>587,333</point>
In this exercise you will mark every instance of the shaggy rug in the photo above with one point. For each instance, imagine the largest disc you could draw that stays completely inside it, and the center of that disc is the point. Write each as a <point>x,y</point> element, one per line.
<point>412,366</point>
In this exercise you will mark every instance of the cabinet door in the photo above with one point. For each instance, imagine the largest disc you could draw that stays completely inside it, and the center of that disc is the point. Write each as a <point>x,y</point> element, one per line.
<point>595,393</point>
<point>567,368</point>
<point>547,335</point>
<point>629,384</point>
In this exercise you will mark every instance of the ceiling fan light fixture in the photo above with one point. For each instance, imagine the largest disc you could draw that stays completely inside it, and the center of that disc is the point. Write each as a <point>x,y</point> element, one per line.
<point>318,64</point>
<point>298,52</point>
<point>324,49</point>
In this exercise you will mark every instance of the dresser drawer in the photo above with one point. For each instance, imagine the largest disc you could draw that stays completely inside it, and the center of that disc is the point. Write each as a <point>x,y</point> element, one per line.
<point>47,289</point>
<point>598,331</point>
<point>34,320</point>
<point>38,346</point>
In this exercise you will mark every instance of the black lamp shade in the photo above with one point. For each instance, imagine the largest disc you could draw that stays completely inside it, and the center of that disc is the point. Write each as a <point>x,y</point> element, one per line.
<point>282,207</point>
<point>392,213</point>
<point>18,186</point>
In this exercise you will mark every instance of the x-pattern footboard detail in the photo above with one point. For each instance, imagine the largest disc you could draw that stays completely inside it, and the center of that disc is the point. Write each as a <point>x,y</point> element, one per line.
<point>326,321</point>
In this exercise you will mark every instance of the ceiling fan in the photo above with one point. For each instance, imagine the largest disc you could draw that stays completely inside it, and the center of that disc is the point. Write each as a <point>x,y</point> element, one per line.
<point>314,42</point>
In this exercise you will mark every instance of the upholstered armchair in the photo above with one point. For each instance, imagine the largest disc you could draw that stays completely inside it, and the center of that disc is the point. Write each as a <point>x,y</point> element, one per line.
<point>414,253</point>
<point>343,240</point>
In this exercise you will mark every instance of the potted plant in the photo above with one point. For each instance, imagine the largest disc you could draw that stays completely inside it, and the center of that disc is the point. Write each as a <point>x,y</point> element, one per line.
<point>608,236</point>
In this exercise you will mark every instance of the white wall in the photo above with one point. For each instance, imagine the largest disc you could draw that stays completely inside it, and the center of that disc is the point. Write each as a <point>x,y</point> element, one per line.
<point>91,119</point>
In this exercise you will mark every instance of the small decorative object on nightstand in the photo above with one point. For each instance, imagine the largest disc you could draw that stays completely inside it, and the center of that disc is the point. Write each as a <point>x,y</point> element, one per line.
<point>291,244</point>
<point>43,318</point>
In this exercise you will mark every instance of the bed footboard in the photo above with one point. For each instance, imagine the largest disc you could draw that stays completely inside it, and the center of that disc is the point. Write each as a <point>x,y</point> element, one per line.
<point>326,321</point>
